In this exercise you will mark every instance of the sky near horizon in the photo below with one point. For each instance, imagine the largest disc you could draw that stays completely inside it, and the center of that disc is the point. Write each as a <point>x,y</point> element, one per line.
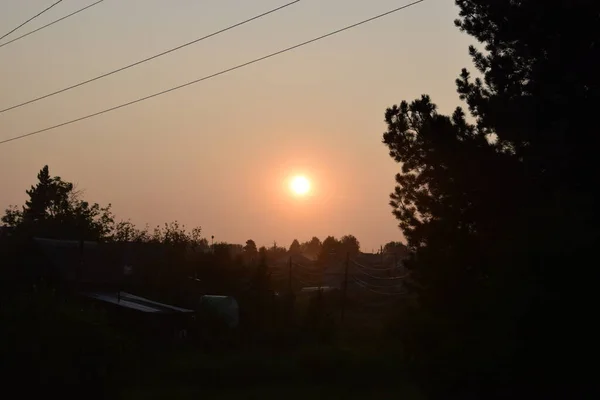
<point>218,154</point>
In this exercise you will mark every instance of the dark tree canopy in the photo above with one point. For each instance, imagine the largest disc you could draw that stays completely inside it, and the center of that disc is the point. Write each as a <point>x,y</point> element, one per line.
<point>501,201</point>
<point>350,245</point>
<point>55,210</point>
<point>312,247</point>
<point>250,247</point>
<point>329,249</point>
<point>398,248</point>
<point>295,247</point>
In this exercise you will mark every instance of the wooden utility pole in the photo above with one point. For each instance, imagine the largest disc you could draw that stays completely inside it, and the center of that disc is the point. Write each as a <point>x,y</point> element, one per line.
<point>290,299</point>
<point>345,288</point>
<point>80,266</point>
<point>290,275</point>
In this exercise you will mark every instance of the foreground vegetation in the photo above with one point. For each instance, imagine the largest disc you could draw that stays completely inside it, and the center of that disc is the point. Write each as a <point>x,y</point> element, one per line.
<point>64,345</point>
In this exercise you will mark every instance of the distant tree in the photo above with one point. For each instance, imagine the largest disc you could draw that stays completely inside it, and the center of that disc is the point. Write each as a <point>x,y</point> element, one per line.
<point>222,251</point>
<point>262,255</point>
<point>174,234</point>
<point>350,245</point>
<point>250,247</point>
<point>295,247</point>
<point>236,249</point>
<point>250,252</point>
<point>275,252</point>
<point>12,217</point>
<point>330,250</point>
<point>312,247</point>
<point>124,231</point>
<point>397,248</point>
<point>54,210</point>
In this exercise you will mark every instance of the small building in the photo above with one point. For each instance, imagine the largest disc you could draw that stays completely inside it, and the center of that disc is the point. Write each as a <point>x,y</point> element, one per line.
<point>94,273</point>
<point>224,308</point>
<point>147,317</point>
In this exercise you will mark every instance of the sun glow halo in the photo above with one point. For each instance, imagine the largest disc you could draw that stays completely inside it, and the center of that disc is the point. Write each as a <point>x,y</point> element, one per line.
<point>300,185</point>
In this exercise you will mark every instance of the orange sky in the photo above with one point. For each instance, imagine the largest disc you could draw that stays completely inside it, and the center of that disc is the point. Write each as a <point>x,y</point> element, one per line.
<point>218,154</point>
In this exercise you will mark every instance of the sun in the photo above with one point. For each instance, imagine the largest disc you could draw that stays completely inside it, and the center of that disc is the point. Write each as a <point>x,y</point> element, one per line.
<point>300,185</point>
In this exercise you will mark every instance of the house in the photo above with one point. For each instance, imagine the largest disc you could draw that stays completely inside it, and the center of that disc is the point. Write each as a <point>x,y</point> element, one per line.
<point>94,273</point>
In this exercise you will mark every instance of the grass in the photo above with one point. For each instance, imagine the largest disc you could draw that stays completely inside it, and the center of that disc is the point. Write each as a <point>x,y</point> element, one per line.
<point>271,392</point>
<point>310,372</point>
<point>63,342</point>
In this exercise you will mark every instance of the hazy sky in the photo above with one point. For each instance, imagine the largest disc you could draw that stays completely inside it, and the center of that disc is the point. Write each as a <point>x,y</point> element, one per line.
<point>217,154</point>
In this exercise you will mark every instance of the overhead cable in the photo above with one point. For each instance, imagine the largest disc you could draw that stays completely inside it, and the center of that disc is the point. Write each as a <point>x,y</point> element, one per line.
<point>51,23</point>
<point>146,59</point>
<point>222,72</point>
<point>30,19</point>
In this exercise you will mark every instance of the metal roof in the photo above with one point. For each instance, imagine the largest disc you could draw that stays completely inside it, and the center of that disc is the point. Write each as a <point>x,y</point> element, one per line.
<point>130,301</point>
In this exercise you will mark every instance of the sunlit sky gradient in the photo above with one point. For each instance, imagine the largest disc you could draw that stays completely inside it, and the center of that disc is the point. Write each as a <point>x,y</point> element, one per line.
<point>220,153</point>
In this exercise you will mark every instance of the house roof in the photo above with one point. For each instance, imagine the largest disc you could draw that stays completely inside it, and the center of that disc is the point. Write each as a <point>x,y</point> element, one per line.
<point>137,303</point>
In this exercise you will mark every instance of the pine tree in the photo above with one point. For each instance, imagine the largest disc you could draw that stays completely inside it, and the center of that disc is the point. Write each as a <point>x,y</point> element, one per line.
<point>494,210</point>
<point>54,210</point>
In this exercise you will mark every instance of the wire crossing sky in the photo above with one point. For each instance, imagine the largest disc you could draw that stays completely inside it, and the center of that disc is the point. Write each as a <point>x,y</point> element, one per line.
<point>51,23</point>
<point>150,58</point>
<point>222,156</point>
<point>29,20</point>
<point>256,60</point>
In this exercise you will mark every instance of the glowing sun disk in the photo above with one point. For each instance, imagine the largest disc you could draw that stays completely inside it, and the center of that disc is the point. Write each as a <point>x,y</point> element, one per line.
<point>300,185</point>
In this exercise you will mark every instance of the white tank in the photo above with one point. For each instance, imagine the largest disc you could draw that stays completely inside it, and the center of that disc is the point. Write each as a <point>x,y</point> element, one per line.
<point>226,307</point>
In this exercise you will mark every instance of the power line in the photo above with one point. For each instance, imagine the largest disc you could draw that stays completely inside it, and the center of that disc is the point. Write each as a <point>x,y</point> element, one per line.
<point>370,268</point>
<point>149,58</point>
<point>51,23</point>
<point>307,269</point>
<point>222,72</point>
<point>376,291</point>
<point>377,286</point>
<point>30,19</point>
<point>394,278</point>
<point>307,284</point>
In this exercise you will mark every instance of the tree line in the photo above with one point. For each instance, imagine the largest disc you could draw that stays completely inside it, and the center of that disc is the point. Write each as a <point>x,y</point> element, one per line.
<point>55,209</point>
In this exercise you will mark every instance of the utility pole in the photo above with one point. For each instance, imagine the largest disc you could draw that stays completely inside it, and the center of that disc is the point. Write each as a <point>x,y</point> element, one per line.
<point>290,275</point>
<point>345,288</point>
<point>290,300</point>
<point>80,266</point>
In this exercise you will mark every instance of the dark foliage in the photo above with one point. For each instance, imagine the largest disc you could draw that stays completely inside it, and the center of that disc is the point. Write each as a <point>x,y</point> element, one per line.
<point>338,249</point>
<point>312,247</point>
<point>55,210</point>
<point>496,210</point>
<point>295,247</point>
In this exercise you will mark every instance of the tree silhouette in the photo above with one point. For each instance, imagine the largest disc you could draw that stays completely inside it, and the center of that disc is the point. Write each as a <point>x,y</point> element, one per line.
<point>398,248</point>
<point>502,204</point>
<point>350,245</point>
<point>295,247</point>
<point>54,210</point>
<point>312,247</point>
<point>250,247</point>
<point>250,251</point>
<point>275,253</point>
<point>330,250</point>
